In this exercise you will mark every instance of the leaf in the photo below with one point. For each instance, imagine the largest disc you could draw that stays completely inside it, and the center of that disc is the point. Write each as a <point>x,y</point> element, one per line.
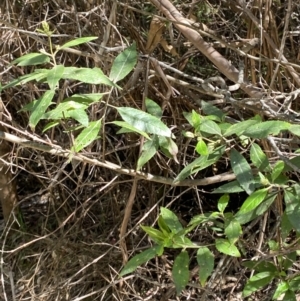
<point>171,220</point>
<point>239,128</point>
<point>77,41</point>
<point>201,148</point>
<point>200,163</point>
<point>153,108</point>
<point>257,282</point>
<point>54,75</point>
<point>261,266</point>
<point>169,147</point>
<point>180,271</point>
<point>144,121</point>
<point>259,158</point>
<point>292,209</point>
<point>87,75</point>
<point>289,296</point>
<point>286,226</point>
<point>85,99</point>
<point>149,150</point>
<point>277,170</point>
<point>233,231</point>
<point>128,128</point>
<point>223,202</point>
<point>80,116</point>
<point>87,136</point>
<point>295,129</point>
<point>264,129</point>
<point>139,259</point>
<point>210,127</point>
<point>31,59</point>
<point>181,241</point>
<point>231,187</point>
<point>39,108</point>
<point>156,235</point>
<point>242,170</point>
<point>205,259</point>
<point>226,247</point>
<point>253,201</point>
<point>163,226</point>
<point>123,63</point>
<point>209,109</point>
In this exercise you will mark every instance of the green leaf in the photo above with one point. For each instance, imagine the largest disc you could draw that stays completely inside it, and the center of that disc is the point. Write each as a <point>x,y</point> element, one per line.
<point>223,202</point>
<point>239,128</point>
<point>231,187</point>
<point>153,108</point>
<point>163,226</point>
<point>81,116</point>
<point>181,241</point>
<point>124,63</point>
<point>210,127</point>
<point>150,148</point>
<point>264,129</point>
<point>286,226</point>
<point>258,158</point>
<point>144,121</point>
<point>257,282</point>
<point>209,109</point>
<point>226,247</point>
<point>289,296</point>
<point>292,209</point>
<point>85,99</point>
<point>253,200</point>
<point>87,136</point>
<point>54,75</point>
<point>77,41</point>
<point>39,108</point>
<point>139,259</point>
<point>277,170</point>
<point>196,119</point>
<point>180,271</point>
<point>260,266</point>
<point>201,163</point>
<point>205,259</point>
<point>242,170</point>
<point>233,231</point>
<point>294,283</point>
<point>168,147</point>
<point>31,59</point>
<point>156,235</point>
<point>50,125</point>
<point>87,75</point>
<point>128,128</point>
<point>295,129</point>
<point>171,220</point>
<point>201,148</point>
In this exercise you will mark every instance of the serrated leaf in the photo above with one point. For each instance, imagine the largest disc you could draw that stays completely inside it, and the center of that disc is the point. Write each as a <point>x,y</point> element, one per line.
<point>144,121</point>
<point>87,136</point>
<point>210,127</point>
<point>54,75</point>
<point>239,128</point>
<point>39,108</point>
<point>171,220</point>
<point>259,158</point>
<point>87,75</point>
<point>223,202</point>
<point>226,247</point>
<point>242,170</point>
<point>201,163</point>
<point>264,129</point>
<point>180,271</point>
<point>205,259</point>
<point>231,187</point>
<point>150,148</point>
<point>153,108</point>
<point>31,59</point>
<point>156,235</point>
<point>201,148</point>
<point>77,41</point>
<point>277,170</point>
<point>123,63</point>
<point>209,109</point>
<point>139,259</point>
<point>292,209</point>
<point>257,282</point>
<point>233,231</point>
<point>253,201</point>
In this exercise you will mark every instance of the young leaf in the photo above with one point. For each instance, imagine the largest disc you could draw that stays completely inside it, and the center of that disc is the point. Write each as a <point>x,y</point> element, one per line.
<point>128,128</point>
<point>87,136</point>
<point>223,202</point>
<point>196,119</point>
<point>123,64</point>
<point>264,129</point>
<point>139,259</point>
<point>31,59</point>
<point>242,170</point>
<point>253,201</point>
<point>156,235</point>
<point>226,247</point>
<point>257,282</point>
<point>163,226</point>
<point>233,231</point>
<point>150,148</point>
<point>54,75</point>
<point>201,148</point>
<point>277,170</point>
<point>77,41</point>
<point>144,121</point>
<point>153,108</point>
<point>292,209</point>
<point>40,107</point>
<point>205,259</point>
<point>180,271</point>
<point>258,157</point>
<point>171,220</point>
